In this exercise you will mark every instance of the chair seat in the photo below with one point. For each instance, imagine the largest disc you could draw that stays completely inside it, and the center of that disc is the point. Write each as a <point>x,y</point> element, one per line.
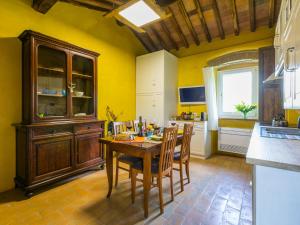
<point>128,159</point>
<point>154,165</point>
<point>177,156</point>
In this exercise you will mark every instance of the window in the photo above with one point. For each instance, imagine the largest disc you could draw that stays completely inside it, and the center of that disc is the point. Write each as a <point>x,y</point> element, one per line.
<point>236,86</point>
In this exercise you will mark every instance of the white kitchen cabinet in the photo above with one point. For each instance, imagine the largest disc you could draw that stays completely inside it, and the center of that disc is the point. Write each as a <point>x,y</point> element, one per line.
<point>150,72</point>
<point>289,66</point>
<point>296,102</point>
<point>200,143</point>
<point>288,51</point>
<point>156,86</point>
<point>149,107</point>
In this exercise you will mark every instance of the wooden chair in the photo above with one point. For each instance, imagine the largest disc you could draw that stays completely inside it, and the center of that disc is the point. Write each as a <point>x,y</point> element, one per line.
<point>135,124</point>
<point>183,156</point>
<point>160,167</point>
<point>120,127</point>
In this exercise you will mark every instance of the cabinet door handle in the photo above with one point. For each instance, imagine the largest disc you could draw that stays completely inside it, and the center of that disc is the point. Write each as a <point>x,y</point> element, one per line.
<point>53,131</point>
<point>290,68</point>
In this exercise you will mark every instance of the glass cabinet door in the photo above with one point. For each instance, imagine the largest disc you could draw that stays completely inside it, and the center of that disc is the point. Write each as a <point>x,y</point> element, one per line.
<point>51,83</point>
<point>82,86</point>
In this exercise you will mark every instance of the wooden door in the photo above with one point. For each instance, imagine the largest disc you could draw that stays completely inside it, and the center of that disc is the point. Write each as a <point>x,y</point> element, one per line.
<point>50,86</point>
<point>84,82</point>
<point>51,157</point>
<point>87,148</point>
<point>270,96</point>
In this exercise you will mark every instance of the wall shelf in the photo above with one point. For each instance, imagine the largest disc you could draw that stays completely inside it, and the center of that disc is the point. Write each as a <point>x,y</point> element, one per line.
<point>51,95</point>
<point>84,76</point>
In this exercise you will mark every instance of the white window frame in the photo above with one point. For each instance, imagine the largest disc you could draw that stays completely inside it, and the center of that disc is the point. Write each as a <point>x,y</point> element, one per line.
<point>238,115</point>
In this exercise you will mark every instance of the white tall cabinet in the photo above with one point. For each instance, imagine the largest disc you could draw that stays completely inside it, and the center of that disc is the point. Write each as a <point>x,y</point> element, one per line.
<point>287,48</point>
<point>156,86</point>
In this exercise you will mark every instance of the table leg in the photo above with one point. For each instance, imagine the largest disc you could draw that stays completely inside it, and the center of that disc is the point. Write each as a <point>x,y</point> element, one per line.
<point>147,181</point>
<point>109,168</point>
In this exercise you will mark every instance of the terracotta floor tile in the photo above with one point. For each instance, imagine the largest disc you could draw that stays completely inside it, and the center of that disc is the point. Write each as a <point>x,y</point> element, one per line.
<point>245,222</point>
<point>219,192</point>
<point>213,217</point>
<point>219,203</point>
<point>246,213</point>
<point>231,216</point>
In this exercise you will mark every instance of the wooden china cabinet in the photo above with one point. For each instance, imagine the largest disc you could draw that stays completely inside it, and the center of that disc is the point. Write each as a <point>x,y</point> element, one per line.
<point>58,136</point>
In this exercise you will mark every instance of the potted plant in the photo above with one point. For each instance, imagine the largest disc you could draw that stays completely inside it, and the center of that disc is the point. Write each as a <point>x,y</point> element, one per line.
<point>245,109</point>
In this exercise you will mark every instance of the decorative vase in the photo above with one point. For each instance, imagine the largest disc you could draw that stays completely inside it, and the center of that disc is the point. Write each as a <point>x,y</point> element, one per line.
<point>110,127</point>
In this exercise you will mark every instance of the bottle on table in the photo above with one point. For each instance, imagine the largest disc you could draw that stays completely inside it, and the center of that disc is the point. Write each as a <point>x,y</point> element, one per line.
<point>140,127</point>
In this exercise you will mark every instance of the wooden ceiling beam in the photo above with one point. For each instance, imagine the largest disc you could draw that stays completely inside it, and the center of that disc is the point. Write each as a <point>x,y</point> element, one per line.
<point>218,19</point>
<point>159,38</point>
<point>252,15</point>
<point>144,43</point>
<point>271,13</point>
<point>151,41</point>
<point>188,21</point>
<point>235,18</point>
<point>43,6</point>
<point>202,20</point>
<point>203,9</point>
<point>116,2</point>
<point>92,4</point>
<point>178,28</point>
<point>167,32</point>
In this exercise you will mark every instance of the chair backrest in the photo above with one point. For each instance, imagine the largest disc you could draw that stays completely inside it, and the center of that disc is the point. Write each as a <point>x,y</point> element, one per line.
<point>119,127</point>
<point>167,149</point>
<point>186,140</point>
<point>135,124</point>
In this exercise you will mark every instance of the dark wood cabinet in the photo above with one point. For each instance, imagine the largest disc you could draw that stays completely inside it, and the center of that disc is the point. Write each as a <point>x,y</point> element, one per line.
<point>270,94</point>
<point>59,134</point>
<point>51,157</point>
<point>90,142</point>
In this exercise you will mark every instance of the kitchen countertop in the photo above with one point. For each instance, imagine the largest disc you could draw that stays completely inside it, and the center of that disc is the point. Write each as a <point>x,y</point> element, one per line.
<point>273,152</point>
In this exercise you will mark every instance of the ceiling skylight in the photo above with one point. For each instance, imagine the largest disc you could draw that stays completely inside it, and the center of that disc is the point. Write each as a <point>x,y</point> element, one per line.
<point>139,14</point>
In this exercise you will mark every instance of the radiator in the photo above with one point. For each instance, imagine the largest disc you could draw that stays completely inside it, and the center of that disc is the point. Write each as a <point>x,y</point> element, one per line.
<point>234,140</point>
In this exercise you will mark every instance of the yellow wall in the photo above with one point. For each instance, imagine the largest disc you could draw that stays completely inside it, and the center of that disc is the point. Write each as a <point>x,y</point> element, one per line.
<point>190,67</point>
<point>83,27</point>
<point>292,116</point>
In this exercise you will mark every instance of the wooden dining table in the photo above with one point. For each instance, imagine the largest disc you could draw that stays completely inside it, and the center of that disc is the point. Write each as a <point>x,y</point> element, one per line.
<point>144,150</point>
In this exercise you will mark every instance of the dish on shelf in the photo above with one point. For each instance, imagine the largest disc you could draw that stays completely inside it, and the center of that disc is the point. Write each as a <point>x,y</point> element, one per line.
<point>78,93</point>
<point>50,95</point>
<point>80,114</point>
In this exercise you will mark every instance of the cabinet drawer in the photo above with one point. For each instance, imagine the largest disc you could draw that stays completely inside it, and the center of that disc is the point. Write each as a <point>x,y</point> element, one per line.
<point>53,130</point>
<point>88,127</point>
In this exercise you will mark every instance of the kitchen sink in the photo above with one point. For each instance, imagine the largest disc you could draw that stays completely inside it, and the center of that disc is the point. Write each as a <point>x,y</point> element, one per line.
<point>280,132</point>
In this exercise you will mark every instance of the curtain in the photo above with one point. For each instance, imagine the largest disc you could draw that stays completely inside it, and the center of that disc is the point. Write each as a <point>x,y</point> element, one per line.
<point>211,98</point>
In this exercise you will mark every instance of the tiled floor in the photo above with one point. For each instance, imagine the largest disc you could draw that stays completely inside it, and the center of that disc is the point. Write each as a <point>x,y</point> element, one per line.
<point>219,193</point>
